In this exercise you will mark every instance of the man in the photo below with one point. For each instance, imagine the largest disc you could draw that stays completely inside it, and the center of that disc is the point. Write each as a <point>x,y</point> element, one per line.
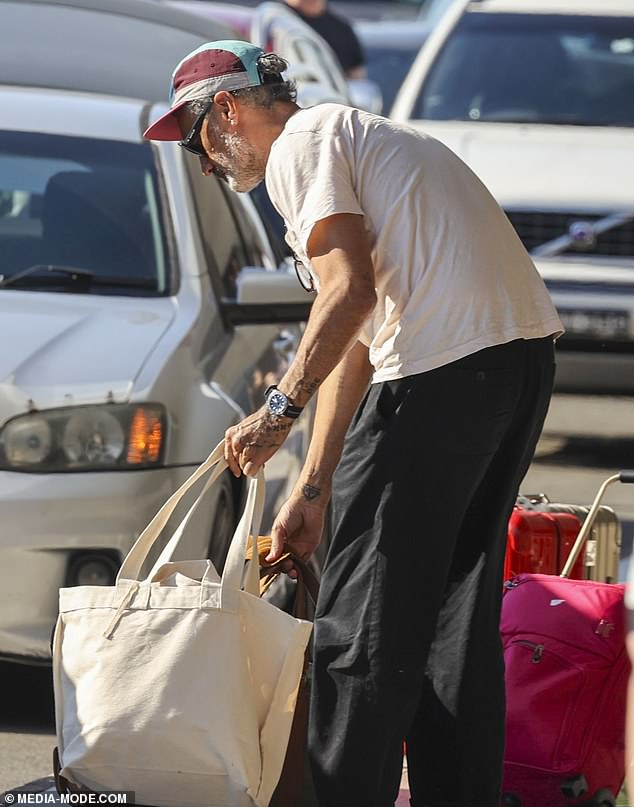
<point>427,297</point>
<point>337,32</point>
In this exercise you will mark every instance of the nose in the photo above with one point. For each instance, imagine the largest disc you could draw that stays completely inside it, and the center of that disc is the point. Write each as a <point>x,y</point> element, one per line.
<point>206,166</point>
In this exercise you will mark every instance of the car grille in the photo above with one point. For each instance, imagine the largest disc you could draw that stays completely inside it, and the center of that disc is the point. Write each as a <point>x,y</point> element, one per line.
<point>537,228</point>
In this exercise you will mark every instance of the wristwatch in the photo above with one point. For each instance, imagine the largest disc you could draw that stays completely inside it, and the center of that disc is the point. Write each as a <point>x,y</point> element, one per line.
<point>278,404</point>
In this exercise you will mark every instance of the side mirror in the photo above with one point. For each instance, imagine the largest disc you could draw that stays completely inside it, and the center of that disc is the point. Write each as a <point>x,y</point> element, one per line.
<point>267,298</point>
<point>365,94</point>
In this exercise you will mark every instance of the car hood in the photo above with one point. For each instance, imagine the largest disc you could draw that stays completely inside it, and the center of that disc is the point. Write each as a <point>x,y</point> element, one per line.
<point>62,350</point>
<point>543,167</point>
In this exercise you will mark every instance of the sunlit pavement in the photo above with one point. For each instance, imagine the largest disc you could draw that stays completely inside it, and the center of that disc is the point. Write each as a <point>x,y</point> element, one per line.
<point>47,786</point>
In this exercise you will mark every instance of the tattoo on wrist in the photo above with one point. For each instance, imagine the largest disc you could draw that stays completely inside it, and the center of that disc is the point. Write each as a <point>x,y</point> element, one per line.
<point>310,385</point>
<point>310,492</point>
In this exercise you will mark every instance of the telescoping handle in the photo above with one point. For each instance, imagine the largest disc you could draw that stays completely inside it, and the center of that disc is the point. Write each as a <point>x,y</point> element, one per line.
<point>627,478</point>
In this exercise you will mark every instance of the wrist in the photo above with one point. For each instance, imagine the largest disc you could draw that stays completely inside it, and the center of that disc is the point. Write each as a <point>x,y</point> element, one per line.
<point>314,489</point>
<point>279,404</point>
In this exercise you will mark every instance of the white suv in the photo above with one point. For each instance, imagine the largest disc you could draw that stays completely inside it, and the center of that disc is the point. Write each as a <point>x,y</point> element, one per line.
<point>537,96</point>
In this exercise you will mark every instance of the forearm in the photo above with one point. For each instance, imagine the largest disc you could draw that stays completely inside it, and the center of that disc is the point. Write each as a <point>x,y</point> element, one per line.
<point>340,253</point>
<point>339,398</point>
<point>335,321</point>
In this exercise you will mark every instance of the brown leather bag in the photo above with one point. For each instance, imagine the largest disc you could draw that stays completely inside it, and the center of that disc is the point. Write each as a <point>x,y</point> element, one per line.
<point>295,786</point>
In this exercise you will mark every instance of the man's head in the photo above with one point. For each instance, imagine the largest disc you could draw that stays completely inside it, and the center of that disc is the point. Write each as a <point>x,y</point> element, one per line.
<point>229,101</point>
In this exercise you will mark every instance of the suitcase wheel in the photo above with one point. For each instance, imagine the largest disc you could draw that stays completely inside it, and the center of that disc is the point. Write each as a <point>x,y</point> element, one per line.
<point>602,798</point>
<point>510,800</point>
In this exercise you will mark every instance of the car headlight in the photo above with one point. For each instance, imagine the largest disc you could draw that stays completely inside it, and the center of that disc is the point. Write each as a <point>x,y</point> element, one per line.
<point>85,438</point>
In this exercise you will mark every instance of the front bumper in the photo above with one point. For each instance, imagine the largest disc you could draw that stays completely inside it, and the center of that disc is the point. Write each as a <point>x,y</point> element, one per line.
<point>47,518</point>
<point>596,371</point>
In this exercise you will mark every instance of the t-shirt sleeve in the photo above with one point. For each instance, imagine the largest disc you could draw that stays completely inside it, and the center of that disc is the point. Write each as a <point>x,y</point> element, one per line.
<point>311,177</point>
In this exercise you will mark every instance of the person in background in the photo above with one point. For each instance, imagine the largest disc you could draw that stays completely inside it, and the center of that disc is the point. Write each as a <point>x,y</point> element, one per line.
<point>337,32</point>
<point>430,340</point>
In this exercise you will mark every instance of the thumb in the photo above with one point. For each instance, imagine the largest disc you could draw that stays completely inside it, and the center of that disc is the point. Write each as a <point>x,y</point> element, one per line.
<point>278,536</point>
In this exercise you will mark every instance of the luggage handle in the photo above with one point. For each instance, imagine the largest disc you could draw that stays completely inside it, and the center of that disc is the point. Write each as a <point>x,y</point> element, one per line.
<point>626,477</point>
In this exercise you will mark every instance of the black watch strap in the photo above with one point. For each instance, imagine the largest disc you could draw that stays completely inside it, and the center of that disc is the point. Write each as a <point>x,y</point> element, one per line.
<point>293,411</point>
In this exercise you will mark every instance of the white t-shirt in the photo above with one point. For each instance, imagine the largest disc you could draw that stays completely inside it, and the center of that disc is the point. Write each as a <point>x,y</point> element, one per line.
<point>451,275</point>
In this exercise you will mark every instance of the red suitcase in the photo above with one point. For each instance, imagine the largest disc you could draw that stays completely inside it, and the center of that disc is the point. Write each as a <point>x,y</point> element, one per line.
<point>539,542</point>
<point>566,675</point>
<point>601,552</point>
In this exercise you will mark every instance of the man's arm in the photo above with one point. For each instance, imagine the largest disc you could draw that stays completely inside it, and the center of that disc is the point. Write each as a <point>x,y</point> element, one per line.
<point>300,521</point>
<point>339,249</point>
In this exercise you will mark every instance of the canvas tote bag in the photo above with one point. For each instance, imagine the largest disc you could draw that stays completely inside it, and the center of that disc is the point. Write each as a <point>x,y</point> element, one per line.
<point>181,686</point>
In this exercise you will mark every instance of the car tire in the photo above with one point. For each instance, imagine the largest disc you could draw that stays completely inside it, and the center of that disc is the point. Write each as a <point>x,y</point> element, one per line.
<point>223,524</point>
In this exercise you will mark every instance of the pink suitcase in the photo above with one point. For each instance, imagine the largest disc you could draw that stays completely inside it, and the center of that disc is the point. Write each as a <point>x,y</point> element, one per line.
<point>566,675</point>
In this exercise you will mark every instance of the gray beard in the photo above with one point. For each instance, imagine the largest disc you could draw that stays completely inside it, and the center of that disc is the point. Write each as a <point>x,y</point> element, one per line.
<point>241,164</point>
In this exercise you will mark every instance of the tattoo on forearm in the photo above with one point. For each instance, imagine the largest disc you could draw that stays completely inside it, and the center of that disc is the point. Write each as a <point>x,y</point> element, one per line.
<point>309,385</point>
<point>310,492</point>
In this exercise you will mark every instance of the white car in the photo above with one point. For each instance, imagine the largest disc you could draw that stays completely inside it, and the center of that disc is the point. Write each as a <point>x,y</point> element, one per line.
<point>131,288</point>
<point>313,65</point>
<point>537,96</point>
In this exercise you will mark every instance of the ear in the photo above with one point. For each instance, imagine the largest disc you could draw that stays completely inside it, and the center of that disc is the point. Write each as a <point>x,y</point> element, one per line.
<point>226,107</point>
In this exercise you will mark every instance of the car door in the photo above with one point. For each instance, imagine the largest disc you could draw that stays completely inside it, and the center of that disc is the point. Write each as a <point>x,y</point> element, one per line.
<point>243,360</point>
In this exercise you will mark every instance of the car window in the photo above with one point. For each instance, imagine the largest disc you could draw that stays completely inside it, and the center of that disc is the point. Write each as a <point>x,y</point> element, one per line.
<point>534,68</point>
<point>225,250</point>
<point>257,251</point>
<point>86,204</point>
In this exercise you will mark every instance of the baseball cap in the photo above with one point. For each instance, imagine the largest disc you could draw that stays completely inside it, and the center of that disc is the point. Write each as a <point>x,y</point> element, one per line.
<point>227,64</point>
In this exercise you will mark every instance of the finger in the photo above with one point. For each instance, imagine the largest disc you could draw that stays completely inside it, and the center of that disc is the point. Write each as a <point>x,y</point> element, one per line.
<point>286,566</point>
<point>278,535</point>
<point>234,467</point>
<point>251,467</point>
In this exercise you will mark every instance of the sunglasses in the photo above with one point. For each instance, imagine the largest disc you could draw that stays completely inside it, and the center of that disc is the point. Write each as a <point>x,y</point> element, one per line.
<point>303,275</point>
<point>191,142</point>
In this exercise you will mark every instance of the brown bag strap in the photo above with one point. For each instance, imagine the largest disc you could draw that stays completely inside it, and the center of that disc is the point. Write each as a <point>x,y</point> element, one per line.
<point>307,581</point>
<point>288,792</point>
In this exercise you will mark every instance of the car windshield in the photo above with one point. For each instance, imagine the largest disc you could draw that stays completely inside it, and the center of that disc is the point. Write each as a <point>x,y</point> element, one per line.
<point>388,66</point>
<point>69,203</point>
<point>534,68</point>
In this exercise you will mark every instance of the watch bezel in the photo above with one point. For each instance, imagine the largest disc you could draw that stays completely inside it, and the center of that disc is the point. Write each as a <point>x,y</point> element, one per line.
<point>274,407</point>
<point>289,411</point>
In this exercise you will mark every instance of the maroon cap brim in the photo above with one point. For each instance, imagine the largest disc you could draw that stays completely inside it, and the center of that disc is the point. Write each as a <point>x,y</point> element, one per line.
<point>166,127</point>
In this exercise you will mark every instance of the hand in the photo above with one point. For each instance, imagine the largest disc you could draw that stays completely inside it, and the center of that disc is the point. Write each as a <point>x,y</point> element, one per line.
<point>254,440</point>
<point>299,524</point>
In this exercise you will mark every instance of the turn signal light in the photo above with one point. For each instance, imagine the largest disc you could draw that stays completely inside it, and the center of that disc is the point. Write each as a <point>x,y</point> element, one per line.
<point>146,437</point>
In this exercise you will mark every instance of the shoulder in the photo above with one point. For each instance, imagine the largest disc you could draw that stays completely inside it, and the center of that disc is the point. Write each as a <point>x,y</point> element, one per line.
<point>321,120</point>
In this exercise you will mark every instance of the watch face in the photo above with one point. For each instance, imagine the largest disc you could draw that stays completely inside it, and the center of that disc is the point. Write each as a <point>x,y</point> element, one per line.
<point>277,403</point>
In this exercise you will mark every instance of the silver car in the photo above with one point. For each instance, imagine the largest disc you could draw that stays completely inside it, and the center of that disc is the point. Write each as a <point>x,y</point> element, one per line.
<point>134,300</point>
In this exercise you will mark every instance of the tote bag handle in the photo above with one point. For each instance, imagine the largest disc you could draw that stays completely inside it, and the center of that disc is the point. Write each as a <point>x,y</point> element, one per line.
<point>251,517</point>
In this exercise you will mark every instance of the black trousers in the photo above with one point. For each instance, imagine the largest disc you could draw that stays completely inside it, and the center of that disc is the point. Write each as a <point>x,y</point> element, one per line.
<point>406,644</point>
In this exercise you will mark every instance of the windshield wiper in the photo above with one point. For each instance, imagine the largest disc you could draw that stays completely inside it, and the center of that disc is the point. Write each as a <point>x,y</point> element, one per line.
<point>45,274</point>
<point>39,268</point>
